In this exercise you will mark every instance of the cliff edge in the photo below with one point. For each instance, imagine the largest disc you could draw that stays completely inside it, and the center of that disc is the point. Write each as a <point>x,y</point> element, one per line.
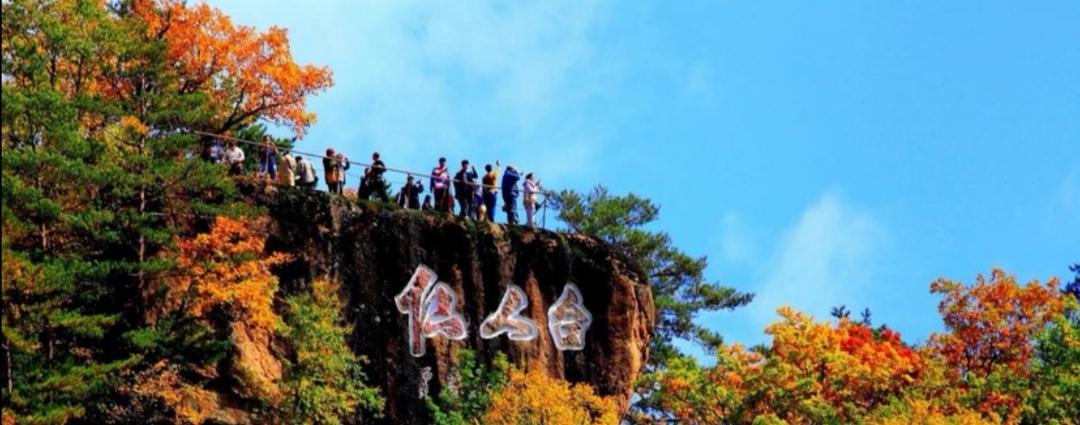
<point>375,250</point>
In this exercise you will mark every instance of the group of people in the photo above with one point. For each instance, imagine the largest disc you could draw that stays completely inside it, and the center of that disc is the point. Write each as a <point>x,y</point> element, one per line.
<point>477,201</point>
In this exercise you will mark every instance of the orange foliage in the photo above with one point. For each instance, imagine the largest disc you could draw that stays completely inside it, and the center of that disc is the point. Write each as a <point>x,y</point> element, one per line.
<point>846,369</point>
<point>246,74</point>
<point>190,404</point>
<point>536,398</point>
<point>814,373</point>
<point>227,269</point>
<point>714,395</point>
<point>992,326</point>
<point>925,412</point>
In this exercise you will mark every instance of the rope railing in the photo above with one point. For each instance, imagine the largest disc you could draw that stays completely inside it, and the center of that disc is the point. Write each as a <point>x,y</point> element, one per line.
<point>478,185</point>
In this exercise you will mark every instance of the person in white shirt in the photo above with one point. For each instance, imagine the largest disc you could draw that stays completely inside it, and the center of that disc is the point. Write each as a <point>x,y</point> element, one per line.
<point>234,158</point>
<point>532,191</point>
<point>305,173</point>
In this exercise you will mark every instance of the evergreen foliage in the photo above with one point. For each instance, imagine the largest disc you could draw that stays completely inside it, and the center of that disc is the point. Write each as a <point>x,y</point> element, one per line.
<point>466,398</point>
<point>323,381</point>
<point>98,184</point>
<point>678,284</point>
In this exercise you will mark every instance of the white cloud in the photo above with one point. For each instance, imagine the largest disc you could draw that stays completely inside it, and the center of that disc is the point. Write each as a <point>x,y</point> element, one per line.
<point>827,259</point>
<point>479,79</point>
<point>698,81</point>
<point>737,243</point>
<point>1065,206</point>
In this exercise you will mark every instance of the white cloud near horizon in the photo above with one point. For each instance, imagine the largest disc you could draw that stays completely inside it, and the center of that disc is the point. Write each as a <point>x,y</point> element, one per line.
<point>1064,209</point>
<point>737,243</point>
<point>479,79</point>
<point>826,259</point>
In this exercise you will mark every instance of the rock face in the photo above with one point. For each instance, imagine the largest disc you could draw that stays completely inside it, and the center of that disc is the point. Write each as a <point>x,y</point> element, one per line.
<point>374,251</point>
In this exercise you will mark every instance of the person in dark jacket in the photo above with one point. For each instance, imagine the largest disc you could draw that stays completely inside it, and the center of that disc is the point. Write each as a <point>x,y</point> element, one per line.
<point>409,196</point>
<point>376,183</point>
<point>464,189</point>
<point>510,193</point>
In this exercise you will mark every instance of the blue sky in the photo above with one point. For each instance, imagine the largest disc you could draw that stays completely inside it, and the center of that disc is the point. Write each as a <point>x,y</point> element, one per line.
<point>818,153</point>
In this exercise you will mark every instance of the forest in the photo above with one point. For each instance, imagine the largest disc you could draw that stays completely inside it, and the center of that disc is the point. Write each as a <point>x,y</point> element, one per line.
<point>129,267</point>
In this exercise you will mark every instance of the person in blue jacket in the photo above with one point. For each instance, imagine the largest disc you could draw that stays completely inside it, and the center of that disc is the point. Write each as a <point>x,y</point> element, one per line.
<point>510,193</point>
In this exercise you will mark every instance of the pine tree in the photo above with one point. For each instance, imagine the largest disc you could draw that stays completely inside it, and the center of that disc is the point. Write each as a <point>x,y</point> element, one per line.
<point>98,179</point>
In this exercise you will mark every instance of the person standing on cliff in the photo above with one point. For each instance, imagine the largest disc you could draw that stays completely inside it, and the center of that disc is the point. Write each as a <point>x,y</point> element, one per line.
<point>491,181</point>
<point>287,170</point>
<point>532,192</point>
<point>440,185</point>
<point>376,183</point>
<point>234,158</point>
<point>409,197</point>
<point>464,188</point>
<point>268,158</point>
<point>305,173</point>
<point>510,193</point>
<point>343,164</point>
<point>332,171</point>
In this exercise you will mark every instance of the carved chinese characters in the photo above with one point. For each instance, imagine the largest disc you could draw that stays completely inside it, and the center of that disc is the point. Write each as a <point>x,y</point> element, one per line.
<point>508,318</point>
<point>568,319</point>
<point>432,310</point>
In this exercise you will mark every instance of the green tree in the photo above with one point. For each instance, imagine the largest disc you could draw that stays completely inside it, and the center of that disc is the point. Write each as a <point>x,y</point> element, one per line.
<point>323,382</point>
<point>83,200</point>
<point>95,133</point>
<point>1056,369</point>
<point>679,288</point>
<point>678,284</point>
<point>467,397</point>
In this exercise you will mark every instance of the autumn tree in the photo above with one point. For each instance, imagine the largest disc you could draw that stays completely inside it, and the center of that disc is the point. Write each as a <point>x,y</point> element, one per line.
<point>83,188</point>
<point>534,398</point>
<point>814,372</point>
<point>96,187</point>
<point>695,394</point>
<point>225,271</point>
<point>1056,366</point>
<point>991,329</point>
<point>244,74</point>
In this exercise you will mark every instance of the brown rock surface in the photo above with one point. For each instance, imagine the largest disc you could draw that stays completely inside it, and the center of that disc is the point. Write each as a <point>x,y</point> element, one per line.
<point>373,251</point>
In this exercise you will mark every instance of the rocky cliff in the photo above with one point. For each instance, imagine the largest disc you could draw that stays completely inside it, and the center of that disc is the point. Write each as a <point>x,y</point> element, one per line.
<point>374,251</point>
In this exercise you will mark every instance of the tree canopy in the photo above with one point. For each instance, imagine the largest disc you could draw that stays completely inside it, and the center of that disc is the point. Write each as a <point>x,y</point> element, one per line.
<point>680,290</point>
